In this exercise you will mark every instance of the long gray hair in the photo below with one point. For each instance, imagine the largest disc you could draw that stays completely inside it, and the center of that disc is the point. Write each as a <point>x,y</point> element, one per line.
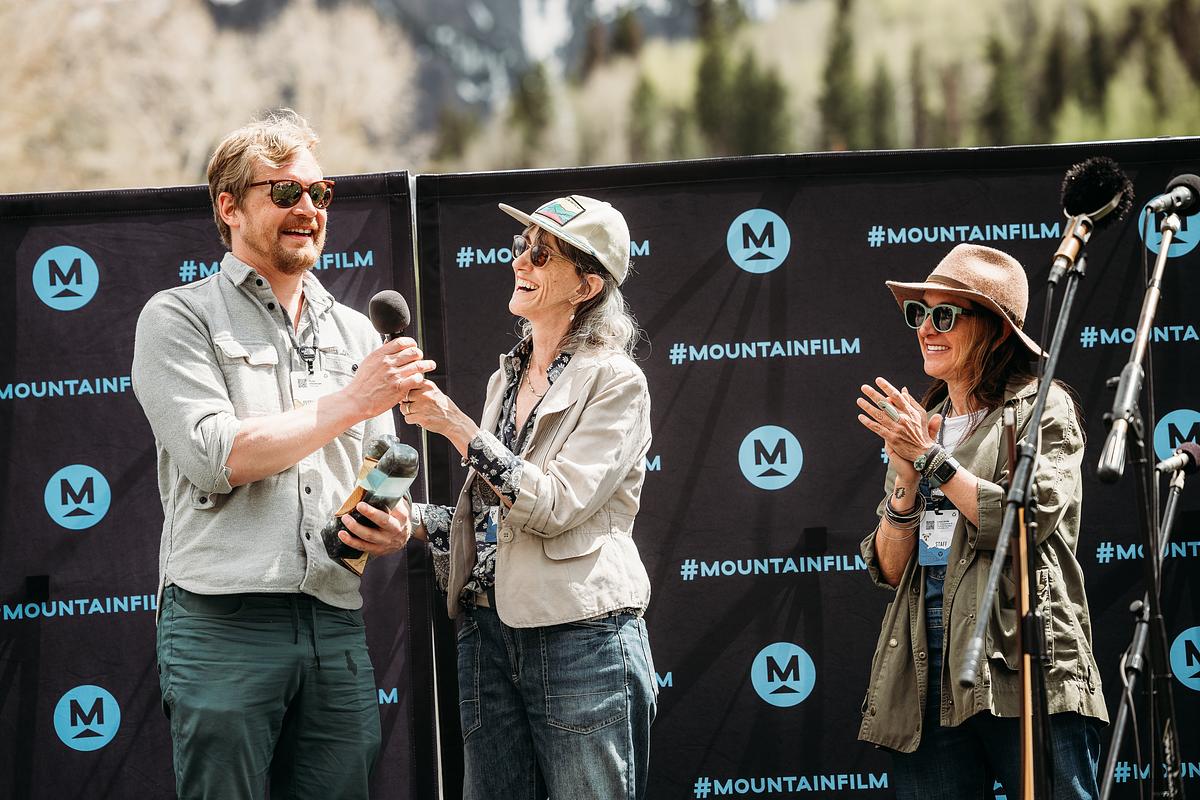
<point>603,322</point>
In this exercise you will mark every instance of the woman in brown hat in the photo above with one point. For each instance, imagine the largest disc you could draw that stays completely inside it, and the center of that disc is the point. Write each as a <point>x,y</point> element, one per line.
<point>939,523</point>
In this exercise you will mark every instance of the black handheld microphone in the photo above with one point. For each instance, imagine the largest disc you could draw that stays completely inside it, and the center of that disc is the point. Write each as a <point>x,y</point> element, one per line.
<point>388,470</point>
<point>389,313</point>
<point>1095,194</point>
<point>1186,458</point>
<point>1182,194</point>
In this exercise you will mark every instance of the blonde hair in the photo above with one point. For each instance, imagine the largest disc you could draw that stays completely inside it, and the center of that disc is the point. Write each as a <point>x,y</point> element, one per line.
<point>275,140</point>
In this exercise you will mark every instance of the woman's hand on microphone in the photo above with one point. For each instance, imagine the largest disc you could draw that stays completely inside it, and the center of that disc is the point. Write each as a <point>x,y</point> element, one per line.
<point>428,407</point>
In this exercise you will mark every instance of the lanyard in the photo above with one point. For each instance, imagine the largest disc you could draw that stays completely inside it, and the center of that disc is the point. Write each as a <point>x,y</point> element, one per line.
<point>946,409</point>
<point>307,353</point>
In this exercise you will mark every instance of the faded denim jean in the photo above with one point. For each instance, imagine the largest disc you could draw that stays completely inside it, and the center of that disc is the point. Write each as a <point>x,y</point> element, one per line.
<point>562,711</point>
<point>963,763</point>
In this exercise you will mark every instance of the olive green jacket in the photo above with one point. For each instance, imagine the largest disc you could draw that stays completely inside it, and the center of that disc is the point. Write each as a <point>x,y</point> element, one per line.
<point>899,672</point>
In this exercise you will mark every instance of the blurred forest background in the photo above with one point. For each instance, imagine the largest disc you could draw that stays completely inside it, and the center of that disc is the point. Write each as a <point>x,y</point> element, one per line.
<point>131,93</point>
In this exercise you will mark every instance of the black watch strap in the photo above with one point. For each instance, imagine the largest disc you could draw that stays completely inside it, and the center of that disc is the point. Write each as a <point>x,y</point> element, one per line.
<point>944,472</point>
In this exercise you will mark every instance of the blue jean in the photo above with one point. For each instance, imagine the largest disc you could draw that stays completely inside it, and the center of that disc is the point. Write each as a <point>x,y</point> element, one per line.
<point>563,711</point>
<point>963,763</point>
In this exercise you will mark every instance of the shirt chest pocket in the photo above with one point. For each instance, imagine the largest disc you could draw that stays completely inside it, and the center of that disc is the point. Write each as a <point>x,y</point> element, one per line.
<point>251,376</point>
<point>341,368</point>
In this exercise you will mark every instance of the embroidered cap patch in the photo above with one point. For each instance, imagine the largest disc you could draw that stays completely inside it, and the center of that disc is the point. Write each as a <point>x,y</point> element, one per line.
<point>560,211</point>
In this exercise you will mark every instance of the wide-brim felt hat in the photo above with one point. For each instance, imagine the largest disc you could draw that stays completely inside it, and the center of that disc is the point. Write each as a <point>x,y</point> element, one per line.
<point>592,225</point>
<point>987,277</point>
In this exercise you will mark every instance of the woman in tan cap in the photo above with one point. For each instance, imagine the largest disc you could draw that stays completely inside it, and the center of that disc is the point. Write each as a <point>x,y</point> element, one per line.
<point>556,685</point>
<point>936,537</point>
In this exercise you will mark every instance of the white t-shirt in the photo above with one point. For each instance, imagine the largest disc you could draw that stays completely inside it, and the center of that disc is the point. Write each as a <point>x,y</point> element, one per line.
<point>954,429</point>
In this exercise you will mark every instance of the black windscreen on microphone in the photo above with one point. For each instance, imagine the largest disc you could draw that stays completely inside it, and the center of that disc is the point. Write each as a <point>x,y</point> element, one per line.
<point>389,312</point>
<point>1091,185</point>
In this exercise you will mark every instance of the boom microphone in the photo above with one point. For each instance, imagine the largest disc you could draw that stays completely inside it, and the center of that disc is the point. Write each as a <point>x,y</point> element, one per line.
<point>1095,193</point>
<point>1186,458</point>
<point>1182,193</point>
<point>389,313</point>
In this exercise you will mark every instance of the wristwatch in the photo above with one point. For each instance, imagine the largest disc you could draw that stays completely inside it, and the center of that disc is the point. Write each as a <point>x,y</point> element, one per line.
<point>923,460</point>
<point>943,472</point>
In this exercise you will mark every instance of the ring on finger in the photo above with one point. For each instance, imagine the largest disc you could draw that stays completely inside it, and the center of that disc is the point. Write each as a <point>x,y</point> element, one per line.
<point>890,410</point>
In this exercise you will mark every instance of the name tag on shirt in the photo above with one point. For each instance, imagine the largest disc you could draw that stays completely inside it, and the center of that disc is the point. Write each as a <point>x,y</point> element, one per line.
<point>309,388</point>
<point>490,534</point>
<point>937,531</point>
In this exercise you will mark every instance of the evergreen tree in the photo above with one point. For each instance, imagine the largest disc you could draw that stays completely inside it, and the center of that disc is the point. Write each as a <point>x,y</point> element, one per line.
<point>717,17</point>
<point>706,18</point>
<point>643,121</point>
<point>920,98</point>
<point>1183,23</point>
<point>841,98</point>
<point>1152,67</point>
<point>950,133</point>
<point>531,103</point>
<point>1098,66</point>
<point>679,138</point>
<point>881,110</point>
<point>595,48</point>
<point>455,130</point>
<point>712,95</point>
<point>1002,117</point>
<point>759,122</point>
<point>1052,82</point>
<point>627,34</point>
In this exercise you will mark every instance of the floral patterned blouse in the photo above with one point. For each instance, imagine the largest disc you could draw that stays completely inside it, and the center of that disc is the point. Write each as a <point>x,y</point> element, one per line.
<point>500,471</point>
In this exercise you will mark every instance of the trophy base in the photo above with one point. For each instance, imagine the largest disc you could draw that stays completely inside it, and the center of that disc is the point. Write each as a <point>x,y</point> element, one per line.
<point>355,565</point>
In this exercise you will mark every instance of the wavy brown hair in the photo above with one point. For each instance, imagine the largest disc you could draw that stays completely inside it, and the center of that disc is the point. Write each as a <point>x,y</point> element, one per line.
<point>990,367</point>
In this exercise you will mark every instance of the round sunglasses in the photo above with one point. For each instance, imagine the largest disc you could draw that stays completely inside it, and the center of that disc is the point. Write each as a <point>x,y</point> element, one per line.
<point>539,254</point>
<point>942,315</point>
<point>286,192</point>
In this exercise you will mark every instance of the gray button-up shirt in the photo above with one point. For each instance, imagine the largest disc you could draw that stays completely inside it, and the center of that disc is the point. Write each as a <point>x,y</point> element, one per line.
<point>215,352</point>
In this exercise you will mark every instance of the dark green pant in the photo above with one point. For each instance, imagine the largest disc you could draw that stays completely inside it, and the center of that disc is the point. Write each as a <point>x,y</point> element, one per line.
<point>262,686</point>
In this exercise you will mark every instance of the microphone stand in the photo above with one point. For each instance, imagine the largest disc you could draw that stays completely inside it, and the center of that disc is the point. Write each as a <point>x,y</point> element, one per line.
<point>1128,431</point>
<point>1020,506</point>
<point>1134,657</point>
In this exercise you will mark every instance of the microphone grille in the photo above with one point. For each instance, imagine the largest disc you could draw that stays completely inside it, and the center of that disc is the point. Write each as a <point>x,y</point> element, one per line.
<point>389,312</point>
<point>1092,184</point>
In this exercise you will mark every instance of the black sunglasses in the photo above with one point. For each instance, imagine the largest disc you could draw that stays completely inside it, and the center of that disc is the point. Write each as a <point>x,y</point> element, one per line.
<point>539,254</point>
<point>943,315</point>
<point>286,192</point>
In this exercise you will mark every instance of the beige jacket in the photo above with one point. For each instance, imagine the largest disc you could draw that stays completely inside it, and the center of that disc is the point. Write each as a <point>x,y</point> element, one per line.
<point>565,549</point>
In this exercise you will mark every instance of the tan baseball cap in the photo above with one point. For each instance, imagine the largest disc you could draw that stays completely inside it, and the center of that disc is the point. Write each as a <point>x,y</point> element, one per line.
<point>592,225</point>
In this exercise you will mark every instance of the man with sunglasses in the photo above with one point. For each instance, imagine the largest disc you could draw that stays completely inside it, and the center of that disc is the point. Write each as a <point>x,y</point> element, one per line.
<point>261,390</point>
<point>936,538</point>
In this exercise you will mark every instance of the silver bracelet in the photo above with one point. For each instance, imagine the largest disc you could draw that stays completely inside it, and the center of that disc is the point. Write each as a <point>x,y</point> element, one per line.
<point>906,520</point>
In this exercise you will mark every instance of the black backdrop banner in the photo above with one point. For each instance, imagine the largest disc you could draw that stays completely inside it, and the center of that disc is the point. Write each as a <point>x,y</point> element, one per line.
<point>759,283</point>
<point>80,517</point>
